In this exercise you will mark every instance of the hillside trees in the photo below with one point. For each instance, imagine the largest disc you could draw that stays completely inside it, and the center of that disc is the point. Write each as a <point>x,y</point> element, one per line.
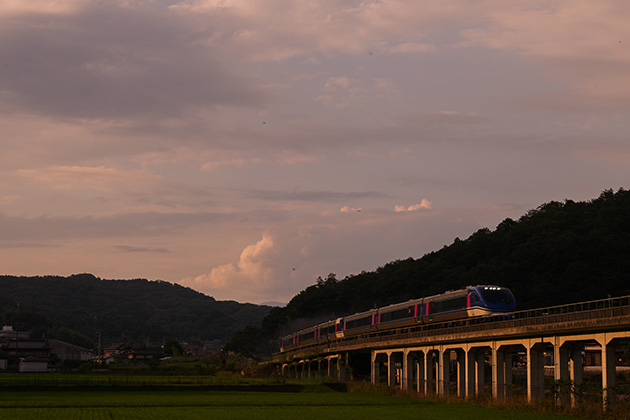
<point>122,310</point>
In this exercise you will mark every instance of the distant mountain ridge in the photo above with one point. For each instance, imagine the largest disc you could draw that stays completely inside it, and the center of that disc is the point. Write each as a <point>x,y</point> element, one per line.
<point>77,307</point>
<point>274,304</point>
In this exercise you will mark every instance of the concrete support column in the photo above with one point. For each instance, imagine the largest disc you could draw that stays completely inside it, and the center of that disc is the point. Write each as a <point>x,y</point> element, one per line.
<point>341,369</point>
<point>471,370</point>
<point>407,371</point>
<point>481,371</point>
<point>609,376</point>
<point>420,374</point>
<point>507,372</point>
<point>560,362</point>
<point>561,369</point>
<point>535,372</point>
<point>444,370</point>
<point>575,370</point>
<point>498,372</point>
<point>461,372</point>
<point>429,372</point>
<point>391,370</point>
<point>376,368</point>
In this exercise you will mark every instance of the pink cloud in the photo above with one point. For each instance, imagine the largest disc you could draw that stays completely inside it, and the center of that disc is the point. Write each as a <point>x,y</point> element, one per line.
<point>422,205</point>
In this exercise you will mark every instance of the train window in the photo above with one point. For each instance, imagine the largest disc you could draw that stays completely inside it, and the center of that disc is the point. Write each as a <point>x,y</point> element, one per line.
<point>434,307</point>
<point>474,297</point>
<point>399,314</point>
<point>497,296</point>
<point>357,323</point>
<point>447,305</point>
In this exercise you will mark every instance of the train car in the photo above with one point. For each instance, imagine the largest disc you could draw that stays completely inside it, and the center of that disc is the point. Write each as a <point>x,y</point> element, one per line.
<point>326,332</point>
<point>287,342</point>
<point>400,314</point>
<point>446,306</point>
<point>320,333</point>
<point>307,336</point>
<point>299,338</point>
<point>469,302</point>
<point>472,301</point>
<point>360,322</point>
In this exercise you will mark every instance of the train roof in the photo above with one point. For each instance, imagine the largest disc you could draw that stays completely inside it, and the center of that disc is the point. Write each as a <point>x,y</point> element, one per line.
<point>364,313</point>
<point>405,303</point>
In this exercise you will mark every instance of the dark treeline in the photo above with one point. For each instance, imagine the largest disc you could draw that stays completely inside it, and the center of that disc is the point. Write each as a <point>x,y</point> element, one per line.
<point>558,253</point>
<point>138,311</point>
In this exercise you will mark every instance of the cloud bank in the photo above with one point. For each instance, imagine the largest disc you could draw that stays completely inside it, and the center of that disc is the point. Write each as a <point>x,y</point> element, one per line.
<point>246,147</point>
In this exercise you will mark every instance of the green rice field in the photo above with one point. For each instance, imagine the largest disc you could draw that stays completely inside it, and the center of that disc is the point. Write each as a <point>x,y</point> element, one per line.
<point>298,402</point>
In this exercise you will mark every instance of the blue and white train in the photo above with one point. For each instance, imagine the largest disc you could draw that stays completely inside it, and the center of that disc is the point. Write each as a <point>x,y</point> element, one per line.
<point>469,302</point>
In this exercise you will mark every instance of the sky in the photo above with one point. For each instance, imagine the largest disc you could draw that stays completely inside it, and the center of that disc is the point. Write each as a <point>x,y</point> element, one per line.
<point>244,148</point>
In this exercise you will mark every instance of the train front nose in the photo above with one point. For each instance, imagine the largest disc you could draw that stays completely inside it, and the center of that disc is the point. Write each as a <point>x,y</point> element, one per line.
<point>498,298</point>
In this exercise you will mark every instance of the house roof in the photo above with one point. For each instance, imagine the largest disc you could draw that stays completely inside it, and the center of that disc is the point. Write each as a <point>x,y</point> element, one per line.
<point>118,346</point>
<point>33,360</point>
<point>59,343</point>
<point>27,345</point>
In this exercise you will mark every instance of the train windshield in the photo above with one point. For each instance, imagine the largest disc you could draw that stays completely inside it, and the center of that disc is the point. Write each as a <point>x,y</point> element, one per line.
<point>497,295</point>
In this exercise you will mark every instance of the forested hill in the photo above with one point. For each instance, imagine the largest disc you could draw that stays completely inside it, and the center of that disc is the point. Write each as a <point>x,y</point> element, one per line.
<point>558,253</point>
<point>137,311</point>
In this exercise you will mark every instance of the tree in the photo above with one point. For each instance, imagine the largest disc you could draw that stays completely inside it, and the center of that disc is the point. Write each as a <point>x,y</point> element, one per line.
<point>250,342</point>
<point>173,348</point>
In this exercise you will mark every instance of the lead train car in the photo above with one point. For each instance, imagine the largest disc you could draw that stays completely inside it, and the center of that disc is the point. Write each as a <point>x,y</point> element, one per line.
<point>472,301</point>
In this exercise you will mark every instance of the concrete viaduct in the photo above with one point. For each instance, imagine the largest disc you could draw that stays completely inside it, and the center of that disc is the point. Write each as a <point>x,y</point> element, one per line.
<point>425,358</point>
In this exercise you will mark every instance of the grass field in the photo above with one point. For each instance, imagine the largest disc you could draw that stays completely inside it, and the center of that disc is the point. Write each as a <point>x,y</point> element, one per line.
<point>60,380</point>
<point>289,402</point>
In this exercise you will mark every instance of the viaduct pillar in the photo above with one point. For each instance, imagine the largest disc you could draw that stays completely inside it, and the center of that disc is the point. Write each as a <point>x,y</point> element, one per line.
<point>535,371</point>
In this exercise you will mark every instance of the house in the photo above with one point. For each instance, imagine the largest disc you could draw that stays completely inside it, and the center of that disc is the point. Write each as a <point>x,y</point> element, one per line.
<point>33,364</point>
<point>123,351</point>
<point>117,349</point>
<point>147,354</point>
<point>33,355</point>
<point>61,350</point>
<point>193,349</point>
<point>8,333</point>
<point>27,348</point>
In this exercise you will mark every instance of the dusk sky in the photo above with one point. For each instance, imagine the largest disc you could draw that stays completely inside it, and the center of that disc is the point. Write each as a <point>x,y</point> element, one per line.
<point>245,147</point>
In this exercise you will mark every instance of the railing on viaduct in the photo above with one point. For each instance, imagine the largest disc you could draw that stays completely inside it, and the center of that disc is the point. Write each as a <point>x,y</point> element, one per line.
<point>423,352</point>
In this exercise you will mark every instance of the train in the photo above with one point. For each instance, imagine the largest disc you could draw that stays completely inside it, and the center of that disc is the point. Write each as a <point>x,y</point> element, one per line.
<point>468,302</point>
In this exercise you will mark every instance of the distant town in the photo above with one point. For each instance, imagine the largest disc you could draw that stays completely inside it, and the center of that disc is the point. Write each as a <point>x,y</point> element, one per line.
<point>19,352</point>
